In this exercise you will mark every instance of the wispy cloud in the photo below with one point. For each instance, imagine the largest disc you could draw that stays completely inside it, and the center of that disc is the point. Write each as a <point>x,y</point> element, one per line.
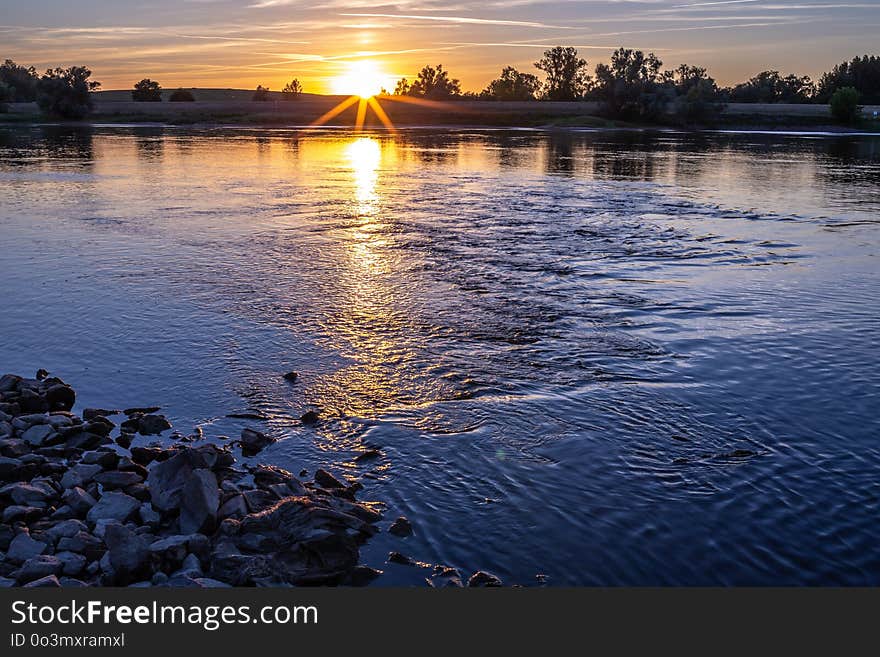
<point>461,19</point>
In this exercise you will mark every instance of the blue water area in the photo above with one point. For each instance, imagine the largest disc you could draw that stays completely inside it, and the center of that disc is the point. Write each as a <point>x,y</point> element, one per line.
<point>585,358</point>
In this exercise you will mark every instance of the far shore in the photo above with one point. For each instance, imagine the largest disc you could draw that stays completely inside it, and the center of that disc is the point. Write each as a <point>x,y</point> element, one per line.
<point>308,108</point>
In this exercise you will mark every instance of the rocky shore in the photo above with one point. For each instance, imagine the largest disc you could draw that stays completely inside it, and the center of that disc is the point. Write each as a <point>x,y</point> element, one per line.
<point>87,503</point>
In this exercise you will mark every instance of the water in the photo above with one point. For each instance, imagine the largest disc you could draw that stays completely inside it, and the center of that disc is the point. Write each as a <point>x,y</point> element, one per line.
<point>603,358</point>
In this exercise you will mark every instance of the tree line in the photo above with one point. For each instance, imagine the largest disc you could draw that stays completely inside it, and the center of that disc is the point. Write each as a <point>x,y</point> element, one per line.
<point>632,86</point>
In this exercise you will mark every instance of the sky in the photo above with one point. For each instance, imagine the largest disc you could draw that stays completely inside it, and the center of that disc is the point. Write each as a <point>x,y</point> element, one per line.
<point>242,43</point>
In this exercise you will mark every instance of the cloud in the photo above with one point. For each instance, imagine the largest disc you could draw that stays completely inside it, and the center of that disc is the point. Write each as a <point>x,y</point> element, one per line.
<point>461,19</point>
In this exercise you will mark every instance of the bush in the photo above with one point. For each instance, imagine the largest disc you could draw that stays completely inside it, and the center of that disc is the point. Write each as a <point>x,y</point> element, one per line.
<point>66,92</point>
<point>20,82</point>
<point>261,94</point>
<point>181,96</point>
<point>147,91</point>
<point>291,90</point>
<point>845,105</point>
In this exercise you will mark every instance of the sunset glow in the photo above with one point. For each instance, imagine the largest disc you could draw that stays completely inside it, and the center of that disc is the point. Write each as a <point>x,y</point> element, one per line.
<point>362,78</point>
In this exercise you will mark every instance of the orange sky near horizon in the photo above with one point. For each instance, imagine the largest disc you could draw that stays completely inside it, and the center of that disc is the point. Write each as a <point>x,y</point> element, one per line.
<point>243,43</point>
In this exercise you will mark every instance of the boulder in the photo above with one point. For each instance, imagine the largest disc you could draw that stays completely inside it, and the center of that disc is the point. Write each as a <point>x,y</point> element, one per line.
<point>117,479</point>
<point>401,527</point>
<point>37,434</point>
<point>253,441</point>
<point>152,424</point>
<point>50,581</point>
<point>129,552</point>
<point>167,479</point>
<point>199,503</point>
<point>72,564</point>
<point>483,579</point>
<point>78,500</point>
<point>80,474</point>
<point>23,547</point>
<point>39,566</point>
<point>60,397</point>
<point>113,505</point>
<point>326,480</point>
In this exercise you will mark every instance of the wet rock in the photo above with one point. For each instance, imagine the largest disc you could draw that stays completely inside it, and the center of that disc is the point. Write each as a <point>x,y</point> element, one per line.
<point>92,413</point>
<point>37,434</point>
<point>106,458</point>
<point>483,579</point>
<point>116,479</point>
<point>23,547</point>
<point>145,455</point>
<point>141,410</point>
<point>235,507</point>
<point>253,441</point>
<point>401,527</point>
<point>291,377</point>
<point>310,417</point>
<point>167,479</point>
<point>367,455</point>
<point>50,581</point>
<point>78,500</point>
<point>31,402</point>
<point>80,474</point>
<point>363,575</point>
<point>113,505</point>
<point>257,500</point>
<point>124,440</point>
<point>199,503</point>
<point>402,559</point>
<point>153,424</point>
<point>39,566</point>
<point>60,397</point>
<point>326,480</point>
<point>99,425</point>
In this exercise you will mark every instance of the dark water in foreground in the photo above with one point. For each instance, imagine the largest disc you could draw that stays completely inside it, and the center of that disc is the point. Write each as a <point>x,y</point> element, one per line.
<point>605,358</point>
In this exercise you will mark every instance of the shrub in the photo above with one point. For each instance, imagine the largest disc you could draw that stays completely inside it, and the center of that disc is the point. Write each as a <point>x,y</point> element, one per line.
<point>291,90</point>
<point>261,94</point>
<point>182,96</point>
<point>66,92</point>
<point>147,91</point>
<point>845,105</point>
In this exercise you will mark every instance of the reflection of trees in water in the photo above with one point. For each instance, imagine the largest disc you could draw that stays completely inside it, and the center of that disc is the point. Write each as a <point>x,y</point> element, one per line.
<point>560,158</point>
<point>74,143</point>
<point>150,143</point>
<point>431,147</point>
<point>631,156</point>
<point>855,160</point>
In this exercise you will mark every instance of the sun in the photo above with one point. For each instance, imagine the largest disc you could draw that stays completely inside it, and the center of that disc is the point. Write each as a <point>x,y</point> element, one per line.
<point>362,78</point>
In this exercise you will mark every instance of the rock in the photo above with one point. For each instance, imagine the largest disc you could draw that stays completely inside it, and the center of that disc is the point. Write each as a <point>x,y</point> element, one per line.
<point>28,494</point>
<point>6,583</point>
<point>253,441</point>
<point>92,413</point>
<point>235,507</point>
<point>31,402</point>
<point>72,564</point>
<point>199,503</point>
<point>37,434</point>
<point>290,377</point>
<point>367,455</point>
<point>78,500</point>
<point>66,529</point>
<point>363,575</point>
<point>167,479</point>
<point>124,440</point>
<point>208,583</point>
<point>82,543</point>
<point>310,417</point>
<point>148,515</point>
<point>60,397</point>
<point>117,479</point>
<point>80,474</point>
<point>23,547</point>
<point>8,468</point>
<point>326,480</point>
<point>401,527</point>
<point>113,505</point>
<point>129,552</point>
<point>402,559</point>
<point>38,567</point>
<point>99,425</point>
<point>145,455</point>
<point>153,424</point>
<point>257,500</point>
<point>483,579</point>
<point>44,582</point>
<point>16,512</point>
<point>9,382</point>
<point>141,410</point>
<point>106,458</point>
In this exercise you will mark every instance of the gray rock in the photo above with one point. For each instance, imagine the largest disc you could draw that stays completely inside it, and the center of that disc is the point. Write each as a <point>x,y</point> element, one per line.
<point>167,479</point>
<point>78,500</point>
<point>326,480</point>
<point>101,526</point>
<point>200,499</point>
<point>8,467</point>
<point>153,424</point>
<point>60,397</point>
<point>234,507</point>
<point>38,567</point>
<point>37,434</point>
<point>107,459</point>
<point>6,583</point>
<point>28,494</point>
<point>129,552</point>
<point>117,479</point>
<point>208,583</point>
<point>72,564</point>
<point>148,515</point>
<point>23,547</point>
<point>24,422</point>
<point>253,441</point>
<point>82,543</point>
<point>113,505</point>
<point>25,513</point>
<point>401,527</point>
<point>50,581</point>
<point>80,474</point>
<point>483,579</point>
<point>66,529</point>
<point>91,413</point>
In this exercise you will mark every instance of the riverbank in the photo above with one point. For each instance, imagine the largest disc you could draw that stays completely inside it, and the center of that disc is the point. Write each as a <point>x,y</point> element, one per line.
<point>87,502</point>
<point>310,108</point>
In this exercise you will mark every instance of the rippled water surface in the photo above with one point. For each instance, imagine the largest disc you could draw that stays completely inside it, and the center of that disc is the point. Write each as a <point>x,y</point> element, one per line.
<point>585,358</point>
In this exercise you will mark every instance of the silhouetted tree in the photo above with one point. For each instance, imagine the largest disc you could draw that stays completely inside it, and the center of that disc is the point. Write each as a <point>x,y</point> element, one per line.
<point>147,91</point>
<point>20,82</point>
<point>771,87</point>
<point>5,94</point>
<point>181,96</point>
<point>291,90</point>
<point>632,86</point>
<point>698,97</point>
<point>261,93</point>
<point>512,85</point>
<point>567,77</point>
<point>845,105</point>
<point>66,92</point>
<point>402,88</point>
<point>434,83</point>
<point>862,74</point>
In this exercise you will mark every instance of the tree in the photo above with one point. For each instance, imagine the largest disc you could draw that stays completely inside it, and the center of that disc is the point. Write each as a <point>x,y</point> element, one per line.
<point>845,105</point>
<point>20,82</point>
<point>861,73</point>
<point>66,92</point>
<point>512,85</point>
<point>147,91</point>
<point>402,88</point>
<point>633,87</point>
<point>698,97</point>
<point>181,96</point>
<point>567,77</point>
<point>5,94</point>
<point>291,90</point>
<point>434,83</point>
<point>771,87</point>
<point>261,94</point>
